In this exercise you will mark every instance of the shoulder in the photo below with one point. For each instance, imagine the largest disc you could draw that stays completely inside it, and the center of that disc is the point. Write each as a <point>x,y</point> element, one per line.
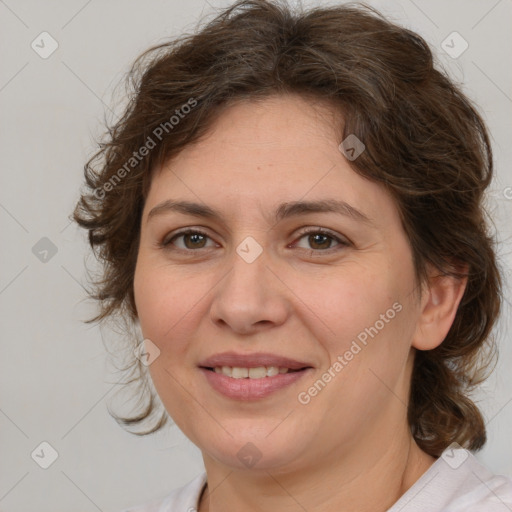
<point>183,499</point>
<point>457,482</point>
<point>488,493</point>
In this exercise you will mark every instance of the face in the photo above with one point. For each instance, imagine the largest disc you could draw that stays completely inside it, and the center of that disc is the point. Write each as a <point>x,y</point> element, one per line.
<point>294,274</point>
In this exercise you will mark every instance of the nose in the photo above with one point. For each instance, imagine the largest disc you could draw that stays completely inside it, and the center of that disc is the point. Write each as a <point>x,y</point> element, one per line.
<point>251,297</point>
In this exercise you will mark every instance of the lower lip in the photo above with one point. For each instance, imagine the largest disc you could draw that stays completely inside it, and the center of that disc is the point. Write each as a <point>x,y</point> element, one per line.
<point>251,389</point>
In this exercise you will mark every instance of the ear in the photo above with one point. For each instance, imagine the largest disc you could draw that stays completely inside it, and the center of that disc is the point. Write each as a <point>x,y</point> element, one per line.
<point>439,303</point>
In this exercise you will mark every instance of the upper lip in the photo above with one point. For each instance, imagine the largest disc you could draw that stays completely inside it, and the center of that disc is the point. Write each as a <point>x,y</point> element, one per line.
<point>252,361</point>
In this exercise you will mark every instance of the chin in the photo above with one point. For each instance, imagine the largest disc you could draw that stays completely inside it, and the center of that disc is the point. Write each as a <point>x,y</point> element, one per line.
<point>256,448</point>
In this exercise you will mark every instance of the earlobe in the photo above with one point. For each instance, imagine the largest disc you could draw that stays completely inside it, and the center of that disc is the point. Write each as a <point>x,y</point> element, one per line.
<point>439,303</point>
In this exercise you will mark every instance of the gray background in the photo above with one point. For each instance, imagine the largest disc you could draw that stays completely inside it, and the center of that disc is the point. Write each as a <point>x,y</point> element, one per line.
<point>54,381</point>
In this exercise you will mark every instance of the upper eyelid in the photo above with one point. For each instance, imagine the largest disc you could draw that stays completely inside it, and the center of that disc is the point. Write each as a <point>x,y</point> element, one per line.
<point>185,231</point>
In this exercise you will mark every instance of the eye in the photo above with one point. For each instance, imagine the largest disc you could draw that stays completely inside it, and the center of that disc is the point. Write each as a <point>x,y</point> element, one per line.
<point>320,239</point>
<point>191,239</point>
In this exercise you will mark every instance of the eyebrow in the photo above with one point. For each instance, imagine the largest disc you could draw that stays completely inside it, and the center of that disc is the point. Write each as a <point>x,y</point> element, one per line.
<point>283,211</point>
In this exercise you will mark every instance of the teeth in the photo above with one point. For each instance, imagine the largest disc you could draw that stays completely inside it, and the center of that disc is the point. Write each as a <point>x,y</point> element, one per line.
<point>239,373</point>
<point>260,372</point>
<point>273,370</point>
<point>257,373</point>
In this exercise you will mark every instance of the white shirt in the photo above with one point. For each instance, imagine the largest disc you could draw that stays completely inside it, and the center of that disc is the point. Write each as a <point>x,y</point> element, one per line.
<point>456,482</point>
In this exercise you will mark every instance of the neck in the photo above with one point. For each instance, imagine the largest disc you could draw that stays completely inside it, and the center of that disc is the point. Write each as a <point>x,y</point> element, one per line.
<point>372,479</point>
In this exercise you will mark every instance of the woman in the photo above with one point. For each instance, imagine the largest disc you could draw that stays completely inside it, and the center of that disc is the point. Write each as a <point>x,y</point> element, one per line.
<point>291,211</point>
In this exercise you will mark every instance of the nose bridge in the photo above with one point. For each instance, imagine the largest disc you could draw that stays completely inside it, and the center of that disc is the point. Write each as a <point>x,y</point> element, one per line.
<point>248,275</point>
<point>247,295</point>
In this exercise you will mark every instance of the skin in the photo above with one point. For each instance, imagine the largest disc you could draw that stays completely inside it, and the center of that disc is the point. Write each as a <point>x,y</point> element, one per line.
<point>350,447</point>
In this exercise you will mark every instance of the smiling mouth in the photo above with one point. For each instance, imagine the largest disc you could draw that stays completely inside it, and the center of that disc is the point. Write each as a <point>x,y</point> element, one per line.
<point>259,372</point>
<point>252,383</point>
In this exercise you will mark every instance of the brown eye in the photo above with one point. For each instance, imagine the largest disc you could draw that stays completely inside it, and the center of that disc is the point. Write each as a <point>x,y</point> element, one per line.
<point>194,240</point>
<point>190,240</point>
<point>321,240</point>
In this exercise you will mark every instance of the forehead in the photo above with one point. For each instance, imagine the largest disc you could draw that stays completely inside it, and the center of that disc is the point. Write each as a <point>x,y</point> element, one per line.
<point>281,149</point>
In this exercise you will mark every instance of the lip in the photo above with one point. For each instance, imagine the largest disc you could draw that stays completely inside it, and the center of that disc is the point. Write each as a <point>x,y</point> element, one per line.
<point>252,389</point>
<point>252,361</point>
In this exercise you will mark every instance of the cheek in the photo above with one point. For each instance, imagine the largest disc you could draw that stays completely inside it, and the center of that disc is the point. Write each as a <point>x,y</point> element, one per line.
<point>160,301</point>
<point>364,321</point>
<point>170,303</point>
<point>346,304</point>
<point>167,308</point>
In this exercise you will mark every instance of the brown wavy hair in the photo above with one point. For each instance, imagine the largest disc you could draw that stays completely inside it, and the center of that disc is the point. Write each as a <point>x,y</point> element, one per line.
<point>425,143</point>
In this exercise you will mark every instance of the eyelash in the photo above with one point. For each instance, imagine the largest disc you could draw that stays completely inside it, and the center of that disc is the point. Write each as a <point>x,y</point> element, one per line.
<point>322,231</point>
